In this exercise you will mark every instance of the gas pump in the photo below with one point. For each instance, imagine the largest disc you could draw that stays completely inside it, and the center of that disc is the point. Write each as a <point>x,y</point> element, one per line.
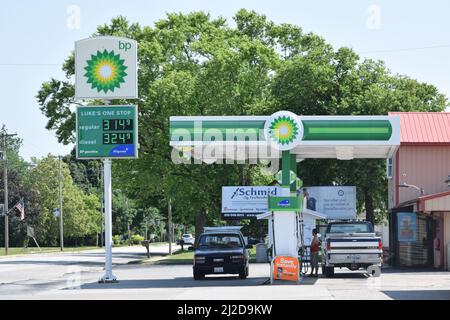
<point>286,210</point>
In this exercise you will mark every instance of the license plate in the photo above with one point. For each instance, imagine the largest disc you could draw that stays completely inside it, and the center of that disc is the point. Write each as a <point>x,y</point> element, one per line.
<point>218,269</point>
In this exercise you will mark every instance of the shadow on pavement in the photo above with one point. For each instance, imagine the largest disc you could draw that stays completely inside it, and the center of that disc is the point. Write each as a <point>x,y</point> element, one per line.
<point>418,294</point>
<point>182,282</point>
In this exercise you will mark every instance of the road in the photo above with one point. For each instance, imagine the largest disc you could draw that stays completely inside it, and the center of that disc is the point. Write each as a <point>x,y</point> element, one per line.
<point>75,275</point>
<point>32,274</point>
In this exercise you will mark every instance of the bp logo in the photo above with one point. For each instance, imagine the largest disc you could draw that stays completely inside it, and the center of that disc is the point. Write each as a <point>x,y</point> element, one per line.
<point>283,130</point>
<point>105,71</point>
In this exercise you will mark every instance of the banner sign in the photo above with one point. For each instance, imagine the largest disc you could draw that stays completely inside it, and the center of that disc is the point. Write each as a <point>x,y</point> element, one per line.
<point>106,68</point>
<point>284,204</point>
<point>285,268</point>
<point>336,202</point>
<point>107,132</point>
<point>246,202</point>
<point>407,226</point>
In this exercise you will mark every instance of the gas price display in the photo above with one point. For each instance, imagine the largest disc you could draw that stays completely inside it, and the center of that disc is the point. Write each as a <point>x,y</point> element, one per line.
<point>106,132</point>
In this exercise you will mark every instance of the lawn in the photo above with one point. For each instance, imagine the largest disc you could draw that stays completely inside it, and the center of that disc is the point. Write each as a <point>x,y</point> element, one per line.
<point>31,250</point>
<point>186,257</point>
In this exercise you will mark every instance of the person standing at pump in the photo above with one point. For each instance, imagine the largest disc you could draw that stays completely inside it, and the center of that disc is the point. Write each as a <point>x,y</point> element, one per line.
<point>315,247</point>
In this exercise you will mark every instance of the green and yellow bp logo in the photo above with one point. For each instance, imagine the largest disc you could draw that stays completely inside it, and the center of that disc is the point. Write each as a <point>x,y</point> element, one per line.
<point>105,71</point>
<point>283,130</point>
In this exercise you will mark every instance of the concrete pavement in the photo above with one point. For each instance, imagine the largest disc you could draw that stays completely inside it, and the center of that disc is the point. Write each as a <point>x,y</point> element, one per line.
<point>144,281</point>
<point>75,275</point>
<point>35,273</point>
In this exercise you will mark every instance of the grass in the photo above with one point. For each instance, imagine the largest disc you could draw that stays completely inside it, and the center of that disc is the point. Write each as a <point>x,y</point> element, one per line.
<point>179,257</point>
<point>186,257</point>
<point>31,250</point>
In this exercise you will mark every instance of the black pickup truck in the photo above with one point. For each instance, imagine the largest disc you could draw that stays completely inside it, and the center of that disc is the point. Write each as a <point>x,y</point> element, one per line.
<point>221,251</point>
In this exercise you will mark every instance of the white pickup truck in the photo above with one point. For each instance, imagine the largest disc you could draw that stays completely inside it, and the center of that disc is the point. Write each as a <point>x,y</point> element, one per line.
<point>353,245</point>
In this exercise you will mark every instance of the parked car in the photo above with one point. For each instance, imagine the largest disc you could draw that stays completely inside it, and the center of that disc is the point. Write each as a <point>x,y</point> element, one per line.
<point>352,245</point>
<point>221,250</point>
<point>188,239</point>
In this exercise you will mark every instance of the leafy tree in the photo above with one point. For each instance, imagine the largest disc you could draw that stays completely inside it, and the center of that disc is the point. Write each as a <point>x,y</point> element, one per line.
<point>192,64</point>
<point>80,211</point>
<point>17,170</point>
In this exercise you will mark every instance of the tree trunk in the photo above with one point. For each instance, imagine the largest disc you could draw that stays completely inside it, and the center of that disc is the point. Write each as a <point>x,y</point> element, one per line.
<point>368,204</point>
<point>200,222</point>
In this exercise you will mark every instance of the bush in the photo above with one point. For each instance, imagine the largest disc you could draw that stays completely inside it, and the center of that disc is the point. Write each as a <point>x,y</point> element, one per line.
<point>136,239</point>
<point>117,239</point>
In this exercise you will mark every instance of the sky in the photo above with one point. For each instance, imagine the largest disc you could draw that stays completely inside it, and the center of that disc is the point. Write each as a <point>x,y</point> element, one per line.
<point>412,37</point>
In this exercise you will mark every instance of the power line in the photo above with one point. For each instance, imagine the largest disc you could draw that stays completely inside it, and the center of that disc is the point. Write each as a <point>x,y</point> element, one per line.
<point>30,64</point>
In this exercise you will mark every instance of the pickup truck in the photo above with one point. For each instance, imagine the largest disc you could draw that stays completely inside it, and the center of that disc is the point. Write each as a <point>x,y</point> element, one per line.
<point>353,245</point>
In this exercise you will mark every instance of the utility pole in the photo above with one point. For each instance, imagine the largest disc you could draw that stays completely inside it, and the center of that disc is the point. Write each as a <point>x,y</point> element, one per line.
<point>5,181</point>
<point>61,228</point>
<point>170,226</point>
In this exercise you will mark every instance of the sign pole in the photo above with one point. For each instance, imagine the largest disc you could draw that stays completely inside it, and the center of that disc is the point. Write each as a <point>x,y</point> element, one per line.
<point>108,276</point>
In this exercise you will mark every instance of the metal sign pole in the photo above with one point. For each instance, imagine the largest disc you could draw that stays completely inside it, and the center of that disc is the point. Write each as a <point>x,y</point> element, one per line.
<point>109,276</point>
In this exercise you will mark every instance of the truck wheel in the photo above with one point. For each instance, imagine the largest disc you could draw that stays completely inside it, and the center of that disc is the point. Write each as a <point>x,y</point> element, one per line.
<point>374,271</point>
<point>198,275</point>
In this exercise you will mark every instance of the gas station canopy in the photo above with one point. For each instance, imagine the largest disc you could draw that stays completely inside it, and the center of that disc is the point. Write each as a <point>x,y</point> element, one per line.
<point>246,137</point>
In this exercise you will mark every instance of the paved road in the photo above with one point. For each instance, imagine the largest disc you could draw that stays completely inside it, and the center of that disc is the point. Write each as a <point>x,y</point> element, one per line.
<point>74,276</point>
<point>37,273</point>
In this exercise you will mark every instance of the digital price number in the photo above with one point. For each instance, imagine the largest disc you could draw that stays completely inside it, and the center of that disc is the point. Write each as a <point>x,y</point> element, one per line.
<point>118,137</point>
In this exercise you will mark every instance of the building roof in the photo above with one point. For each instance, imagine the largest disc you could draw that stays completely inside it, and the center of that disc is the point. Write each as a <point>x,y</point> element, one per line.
<point>424,127</point>
<point>427,203</point>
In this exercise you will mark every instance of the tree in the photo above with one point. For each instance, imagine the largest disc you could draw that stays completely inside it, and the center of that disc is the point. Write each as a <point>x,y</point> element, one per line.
<point>192,64</point>
<point>80,211</point>
<point>17,170</point>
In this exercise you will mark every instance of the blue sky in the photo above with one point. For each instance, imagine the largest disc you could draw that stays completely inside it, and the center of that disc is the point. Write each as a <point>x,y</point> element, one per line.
<point>36,40</point>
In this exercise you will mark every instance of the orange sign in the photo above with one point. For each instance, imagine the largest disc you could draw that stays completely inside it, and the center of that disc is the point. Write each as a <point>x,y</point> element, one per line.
<point>285,268</point>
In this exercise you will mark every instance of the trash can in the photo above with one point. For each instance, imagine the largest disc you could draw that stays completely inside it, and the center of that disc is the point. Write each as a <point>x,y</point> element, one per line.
<point>261,253</point>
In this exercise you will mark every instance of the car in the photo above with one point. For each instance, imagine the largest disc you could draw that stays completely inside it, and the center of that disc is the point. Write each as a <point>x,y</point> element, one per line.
<point>221,250</point>
<point>188,239</point>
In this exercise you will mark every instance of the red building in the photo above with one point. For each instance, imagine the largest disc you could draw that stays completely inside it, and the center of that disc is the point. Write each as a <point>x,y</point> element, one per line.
<point>419,191</point>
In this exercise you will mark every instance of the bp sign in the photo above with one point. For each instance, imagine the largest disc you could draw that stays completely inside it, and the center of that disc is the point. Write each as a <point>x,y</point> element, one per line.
<point>106,68</point>
<point>107,132</point>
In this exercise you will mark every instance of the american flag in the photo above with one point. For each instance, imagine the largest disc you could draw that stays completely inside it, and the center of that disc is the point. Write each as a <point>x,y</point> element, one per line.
<point>20,206</point>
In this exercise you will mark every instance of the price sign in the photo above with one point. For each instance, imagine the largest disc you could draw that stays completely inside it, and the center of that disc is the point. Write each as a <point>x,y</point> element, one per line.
<point>107,132</point>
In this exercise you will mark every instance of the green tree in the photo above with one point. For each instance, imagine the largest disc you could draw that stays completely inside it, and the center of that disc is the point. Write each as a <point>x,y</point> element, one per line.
<point>192,64</point>
<point>80,211</point>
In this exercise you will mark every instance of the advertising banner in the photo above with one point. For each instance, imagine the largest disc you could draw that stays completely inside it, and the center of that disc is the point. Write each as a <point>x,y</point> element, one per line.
<point>407,226</point>
<point>246,202</point>
<point>285,268</point>
<point>337,202</point>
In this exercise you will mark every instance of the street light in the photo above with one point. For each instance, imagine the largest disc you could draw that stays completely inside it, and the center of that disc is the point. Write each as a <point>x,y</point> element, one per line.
<point>61,224</point>
<point>448,180</point>
<point>405,185</point>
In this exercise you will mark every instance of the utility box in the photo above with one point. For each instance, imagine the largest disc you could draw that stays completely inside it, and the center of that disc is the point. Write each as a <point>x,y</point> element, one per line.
<point>261,253</point>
